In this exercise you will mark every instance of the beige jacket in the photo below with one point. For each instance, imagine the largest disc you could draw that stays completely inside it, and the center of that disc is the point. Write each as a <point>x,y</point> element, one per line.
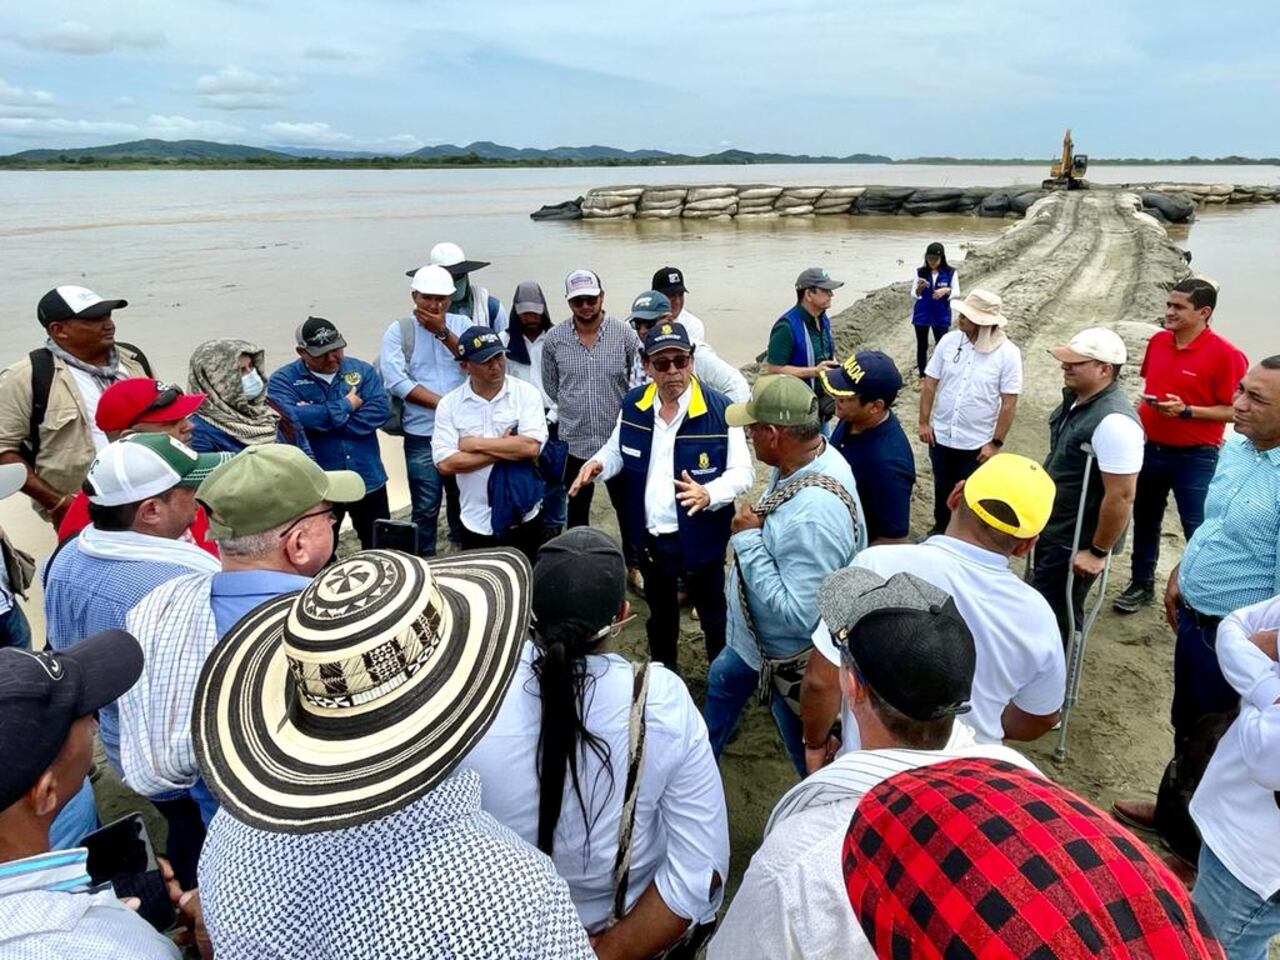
<point>66,443</point>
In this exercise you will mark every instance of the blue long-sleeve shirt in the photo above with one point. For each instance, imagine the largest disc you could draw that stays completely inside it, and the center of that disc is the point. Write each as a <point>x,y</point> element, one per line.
<point>431,366</point>
<point>783,563</point>
<point>340,438</point>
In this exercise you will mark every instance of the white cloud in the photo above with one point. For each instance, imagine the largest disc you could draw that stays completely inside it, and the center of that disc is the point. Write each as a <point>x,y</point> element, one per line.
<point>12,96</point>
<point>404,141</point>
<point>74,37</point>
<point>305,134</point>
<point>184,127</point>
<point>232,88</point>
<point>39,127</point>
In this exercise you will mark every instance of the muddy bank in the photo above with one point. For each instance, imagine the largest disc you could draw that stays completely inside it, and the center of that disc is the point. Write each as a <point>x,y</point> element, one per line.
<point>1167,202</point>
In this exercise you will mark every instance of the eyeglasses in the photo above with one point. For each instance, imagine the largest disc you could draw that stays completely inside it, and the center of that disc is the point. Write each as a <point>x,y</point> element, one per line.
<point>328,511</point>
<point>167,394</point>
<point>663,364</point>
<point>584,301</point>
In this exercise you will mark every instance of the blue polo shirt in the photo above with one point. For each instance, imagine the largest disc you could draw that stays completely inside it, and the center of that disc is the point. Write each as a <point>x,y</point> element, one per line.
<point>340,438</point>
<point>885,470</point>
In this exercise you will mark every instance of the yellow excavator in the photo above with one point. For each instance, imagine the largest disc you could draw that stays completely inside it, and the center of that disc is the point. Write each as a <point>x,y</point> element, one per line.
<point>1068,172</point>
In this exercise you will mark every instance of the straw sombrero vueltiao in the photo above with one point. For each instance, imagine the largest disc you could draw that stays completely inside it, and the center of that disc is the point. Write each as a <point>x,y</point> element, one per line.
<point>351,699</point>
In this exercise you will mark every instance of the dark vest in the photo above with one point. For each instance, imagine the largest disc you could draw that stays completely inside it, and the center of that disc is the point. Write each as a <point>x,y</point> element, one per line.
<point>927,311</point>
<point>701,447</point>
<point>1069,429</point>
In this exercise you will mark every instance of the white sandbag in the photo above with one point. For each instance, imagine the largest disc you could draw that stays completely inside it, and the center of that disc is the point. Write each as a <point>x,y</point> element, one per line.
<point>712,204</point>
<point>711,193</point>
<point>796,211</point>
<point>759,193</point>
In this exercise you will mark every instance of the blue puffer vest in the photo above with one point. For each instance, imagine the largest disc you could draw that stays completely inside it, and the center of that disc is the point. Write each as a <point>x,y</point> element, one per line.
<point>701,447</point>
<point>929,312</point>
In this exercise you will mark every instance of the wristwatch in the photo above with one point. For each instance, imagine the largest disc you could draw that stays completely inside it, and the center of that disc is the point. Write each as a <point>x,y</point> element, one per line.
<point>997,442</point>
<point>1185,413</point>
<point>443,335</point>
<point>1098,552</point>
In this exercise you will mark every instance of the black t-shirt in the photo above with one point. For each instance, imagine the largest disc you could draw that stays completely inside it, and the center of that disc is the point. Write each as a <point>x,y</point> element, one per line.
<point>885,470</point>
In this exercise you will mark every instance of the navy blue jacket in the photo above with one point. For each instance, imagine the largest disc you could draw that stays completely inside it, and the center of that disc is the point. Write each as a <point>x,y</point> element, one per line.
<point>701,447</point>
<point>340,439</point>
<point>927,311</point>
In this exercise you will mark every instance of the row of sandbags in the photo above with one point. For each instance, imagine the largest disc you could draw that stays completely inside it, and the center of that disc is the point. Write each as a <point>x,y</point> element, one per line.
<point>1177,202</point>
<point>765,201</point>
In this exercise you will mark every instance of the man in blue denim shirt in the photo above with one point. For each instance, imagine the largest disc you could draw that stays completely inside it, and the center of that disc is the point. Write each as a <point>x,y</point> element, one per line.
<point>432,372</point>
<point>783,560</point>
<point>340,403</point>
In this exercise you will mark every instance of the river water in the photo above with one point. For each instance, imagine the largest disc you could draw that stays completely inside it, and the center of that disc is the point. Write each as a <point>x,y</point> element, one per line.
<point>201,254</point>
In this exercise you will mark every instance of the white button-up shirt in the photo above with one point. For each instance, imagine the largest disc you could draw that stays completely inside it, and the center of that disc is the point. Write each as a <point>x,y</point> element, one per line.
<point>660,504</point>
<point>970,385</point>
<point>532,371</point>
<point>1235,806</point>
<point>464,413</point>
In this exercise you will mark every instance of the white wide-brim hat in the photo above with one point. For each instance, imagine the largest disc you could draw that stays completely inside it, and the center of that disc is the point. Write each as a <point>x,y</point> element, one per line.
<point>351,699</point>
<point>981,307</point>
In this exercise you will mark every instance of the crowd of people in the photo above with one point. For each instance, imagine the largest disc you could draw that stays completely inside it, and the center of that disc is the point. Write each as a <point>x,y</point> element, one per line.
<point>400,751</point>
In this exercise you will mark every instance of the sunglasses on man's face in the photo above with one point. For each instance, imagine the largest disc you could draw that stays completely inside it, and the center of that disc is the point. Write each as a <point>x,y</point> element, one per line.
<point>584,301</point>
<point>663,364</point>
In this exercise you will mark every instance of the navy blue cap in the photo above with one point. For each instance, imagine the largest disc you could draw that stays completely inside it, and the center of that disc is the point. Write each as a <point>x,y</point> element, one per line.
<point>43,694</point>
<point>478,344</point>
<point>868,375</point>
<point>667,336</point>
<point>650,306</point>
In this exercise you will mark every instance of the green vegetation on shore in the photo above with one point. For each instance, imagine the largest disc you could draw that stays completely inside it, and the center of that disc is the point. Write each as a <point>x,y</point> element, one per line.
<point>207,155</point>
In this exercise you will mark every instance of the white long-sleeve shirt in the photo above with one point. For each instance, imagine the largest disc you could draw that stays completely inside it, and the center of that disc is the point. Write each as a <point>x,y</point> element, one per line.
<point>660,504</point>
<point>1236,807</point>
<point>955,285</point>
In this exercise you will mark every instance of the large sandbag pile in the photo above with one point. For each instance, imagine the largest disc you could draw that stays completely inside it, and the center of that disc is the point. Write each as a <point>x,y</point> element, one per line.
<point>1169,207</point>
<point>932,200</point>
<point>611,203</point>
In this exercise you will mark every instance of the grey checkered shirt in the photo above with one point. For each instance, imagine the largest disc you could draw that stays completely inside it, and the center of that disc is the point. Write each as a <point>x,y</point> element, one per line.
<point>588,385</point>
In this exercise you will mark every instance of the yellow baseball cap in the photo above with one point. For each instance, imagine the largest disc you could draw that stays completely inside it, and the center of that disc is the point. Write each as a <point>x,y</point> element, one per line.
<point>1011,493</point>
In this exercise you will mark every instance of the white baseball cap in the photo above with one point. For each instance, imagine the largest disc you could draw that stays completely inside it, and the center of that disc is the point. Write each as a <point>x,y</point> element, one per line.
<point>1096,343</point>
<point>581,283</point>
<point>432,279</point>
<point>144,465</point>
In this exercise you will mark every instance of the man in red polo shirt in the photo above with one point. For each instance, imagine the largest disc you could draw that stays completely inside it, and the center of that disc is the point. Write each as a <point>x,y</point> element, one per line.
<point>1190,377</point>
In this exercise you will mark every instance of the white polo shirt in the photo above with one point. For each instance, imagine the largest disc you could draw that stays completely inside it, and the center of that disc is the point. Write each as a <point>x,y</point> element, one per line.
<point>1236,807</point>
<point>463,413</point>
<point>1019,649</point>
<point>970,385</point>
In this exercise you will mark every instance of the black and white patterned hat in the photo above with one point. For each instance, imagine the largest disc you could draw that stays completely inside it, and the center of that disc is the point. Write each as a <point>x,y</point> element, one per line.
<point>351,699</point>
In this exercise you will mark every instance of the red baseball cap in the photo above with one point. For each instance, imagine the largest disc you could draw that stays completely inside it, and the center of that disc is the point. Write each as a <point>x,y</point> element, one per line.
<point>143,400</point>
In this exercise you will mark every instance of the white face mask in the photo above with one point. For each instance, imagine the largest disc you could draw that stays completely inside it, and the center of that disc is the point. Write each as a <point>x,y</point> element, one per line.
<point>252,384</point>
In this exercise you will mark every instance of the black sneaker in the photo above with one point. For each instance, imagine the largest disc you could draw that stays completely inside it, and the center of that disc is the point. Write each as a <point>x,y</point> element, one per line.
<point>1139,594</point>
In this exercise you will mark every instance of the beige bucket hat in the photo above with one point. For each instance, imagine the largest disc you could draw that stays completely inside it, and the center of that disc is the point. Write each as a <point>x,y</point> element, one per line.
<point>981,307</point>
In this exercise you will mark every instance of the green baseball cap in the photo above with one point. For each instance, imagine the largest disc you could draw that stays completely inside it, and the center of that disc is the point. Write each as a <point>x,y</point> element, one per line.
<point>266,485</point>
<point>144,465</point>
<point>777,399</point>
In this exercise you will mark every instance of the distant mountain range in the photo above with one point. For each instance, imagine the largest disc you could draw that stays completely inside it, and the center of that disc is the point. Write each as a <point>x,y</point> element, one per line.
<point>206,153</point>
<point>179,151</point>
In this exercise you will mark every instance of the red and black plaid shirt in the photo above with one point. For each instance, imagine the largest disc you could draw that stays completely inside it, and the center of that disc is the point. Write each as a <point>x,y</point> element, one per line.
<point>979,858</point>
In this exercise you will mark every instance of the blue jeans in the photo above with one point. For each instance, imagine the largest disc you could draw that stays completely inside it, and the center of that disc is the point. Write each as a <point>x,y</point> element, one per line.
<point>730,684</point>
<point>426,488</point>
<point>1199,687</point>
<point>1184,471</point>
<point>1242,920</point>
<point>15,629</point>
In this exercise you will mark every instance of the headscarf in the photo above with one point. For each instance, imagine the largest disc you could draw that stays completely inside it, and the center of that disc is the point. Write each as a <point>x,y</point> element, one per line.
<point>528,293</point>
<point>982,858</point>
<point>215,371</point>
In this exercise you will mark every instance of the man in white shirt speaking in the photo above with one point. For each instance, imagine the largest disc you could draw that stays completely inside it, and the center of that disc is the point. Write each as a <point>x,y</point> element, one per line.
<point>792,902</point>
<point>683,465</point>
<point>488,433</point>
<point>1020,679</point>
<point>968,396</point>
<point>1096,416</point>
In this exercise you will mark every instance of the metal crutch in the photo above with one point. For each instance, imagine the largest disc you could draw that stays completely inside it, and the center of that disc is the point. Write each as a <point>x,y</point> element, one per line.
<point>1078,634</point>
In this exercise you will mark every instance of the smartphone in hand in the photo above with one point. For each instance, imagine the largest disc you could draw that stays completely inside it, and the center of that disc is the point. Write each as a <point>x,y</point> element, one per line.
<point>121,854</point>
<point>399,535</point>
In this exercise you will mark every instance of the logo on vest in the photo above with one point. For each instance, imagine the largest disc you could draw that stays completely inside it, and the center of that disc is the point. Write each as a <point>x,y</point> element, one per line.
<point>704,460</point>
<point>351,378</point>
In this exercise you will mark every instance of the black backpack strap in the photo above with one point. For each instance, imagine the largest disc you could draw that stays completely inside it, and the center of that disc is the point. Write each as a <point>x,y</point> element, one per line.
<point>139,356</point>
<point>41,383</point>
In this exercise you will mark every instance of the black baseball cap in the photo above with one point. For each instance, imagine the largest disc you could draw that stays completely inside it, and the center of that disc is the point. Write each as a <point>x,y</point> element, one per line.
<point>43,694</point>
<point>669,280</point>
<point>318,336</point>
<point>478,344</point>
<point>924,667</point>
<point>868,374</point>
<point>70,302</point>
<point>580,575</point>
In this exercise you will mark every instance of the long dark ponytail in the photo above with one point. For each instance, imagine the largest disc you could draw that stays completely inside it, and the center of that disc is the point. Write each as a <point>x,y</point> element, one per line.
<point>564,686</point>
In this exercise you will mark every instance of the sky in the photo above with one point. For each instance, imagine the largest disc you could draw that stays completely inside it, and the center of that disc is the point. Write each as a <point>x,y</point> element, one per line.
<point>979,78</point>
